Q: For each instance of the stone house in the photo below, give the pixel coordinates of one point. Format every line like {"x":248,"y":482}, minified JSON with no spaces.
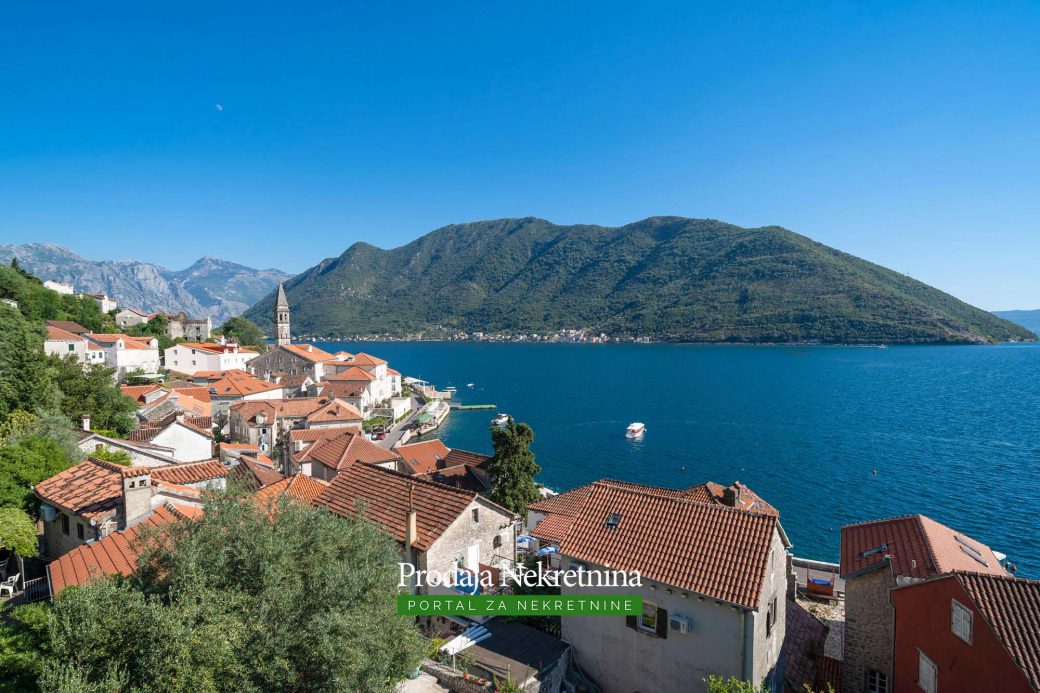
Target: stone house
{"x":438,"y":527}
{"x":95,"y":498}
{"x":128,"y":317}
{"x":188,"y":441}
{"x":714,"y":582}
{"x":291,"y":359}
{"x":180,"y":326}
{"x":880,"y":556}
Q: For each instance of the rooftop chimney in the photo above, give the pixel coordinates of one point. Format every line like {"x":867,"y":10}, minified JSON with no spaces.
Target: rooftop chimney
{"x":410,"y":530}
{"x":85,"y":421}
{"x":137,"y":498}
{"x":731,"y":496}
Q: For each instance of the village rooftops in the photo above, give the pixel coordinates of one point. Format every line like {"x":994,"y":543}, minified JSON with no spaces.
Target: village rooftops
{"x":68,"y":326}
{"x":92,"y":489}
{"x":342,"y":450}
{"x":704,"y":547}
{"x":308,"y":352}
{"x":295,"y":407}
{"x":190,"y":472}
{"x":56,"y":334}
{"x":213,"y":376}
{"x":117,"y":553}
{"x":128,"y":341}
{"x":251,"y":474}
{"x":915,"y":546}
{"x":384,"y":497}
{"x":363,"y":359}
{"x":241,"y":387}
{"x":216,"y":348}
{"x":298,"y":487}
{"x":424,"y":457}
{"x":336,"y":410}
{"x":352,"y":374}
{"x":740,"y":497}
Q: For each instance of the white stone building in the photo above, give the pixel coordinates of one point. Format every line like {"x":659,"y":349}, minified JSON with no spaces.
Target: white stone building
{"x":63,"y":344}
{"x":128,"y":354}
{"x":128,"y":317}
{"x":191,"y":357}
{"x":60,"y":287}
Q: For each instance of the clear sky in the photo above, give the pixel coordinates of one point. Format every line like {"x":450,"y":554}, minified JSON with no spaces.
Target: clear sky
{"x":906,"y":133}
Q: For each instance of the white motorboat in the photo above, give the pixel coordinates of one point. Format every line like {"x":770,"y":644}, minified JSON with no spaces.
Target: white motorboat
{"x":502,"y":420}
{"x":635,"y":430}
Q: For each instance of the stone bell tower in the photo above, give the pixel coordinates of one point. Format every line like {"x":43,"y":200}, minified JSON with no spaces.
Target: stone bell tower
{"x":282,"y":335}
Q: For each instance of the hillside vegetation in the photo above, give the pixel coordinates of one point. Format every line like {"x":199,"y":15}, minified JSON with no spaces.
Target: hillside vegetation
{"x":666,"y":278}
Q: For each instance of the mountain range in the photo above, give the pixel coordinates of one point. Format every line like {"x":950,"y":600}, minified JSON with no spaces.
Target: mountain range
{"x":667,"y":278}
{"x":213,"y":287}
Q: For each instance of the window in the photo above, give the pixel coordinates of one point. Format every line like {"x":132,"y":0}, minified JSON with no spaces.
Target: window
{"x":79,"y":530}
{"x":648,"y":620}
{"x":613,"y":520}
{"x":476,"y":515}
{"x":497,"y":543}
{"x":72,"y":347}
{"x":770,"y":617}
{"x":926,"y":673}
{"x":961,"y":621}
{"x":65,"y":524}
{"x":877,"y":682}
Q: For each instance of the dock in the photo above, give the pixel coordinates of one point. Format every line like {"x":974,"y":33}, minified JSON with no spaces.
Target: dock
{"x":456,"y":405}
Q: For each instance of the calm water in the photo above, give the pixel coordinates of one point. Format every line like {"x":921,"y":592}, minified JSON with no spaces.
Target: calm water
{"x":952,"y":431}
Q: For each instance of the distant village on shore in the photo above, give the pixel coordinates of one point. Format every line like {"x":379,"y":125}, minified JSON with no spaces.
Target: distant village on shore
{"x":911,"y":604}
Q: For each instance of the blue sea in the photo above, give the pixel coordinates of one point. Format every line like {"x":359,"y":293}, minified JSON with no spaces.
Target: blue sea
{"x":828,"y":435}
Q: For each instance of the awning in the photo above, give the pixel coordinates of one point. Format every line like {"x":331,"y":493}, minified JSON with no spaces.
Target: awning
{"x":424,"y":418}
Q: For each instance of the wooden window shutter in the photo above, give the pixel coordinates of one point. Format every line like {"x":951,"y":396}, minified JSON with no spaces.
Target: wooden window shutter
{"x":662,"y":623}
{"x":630,"y":622}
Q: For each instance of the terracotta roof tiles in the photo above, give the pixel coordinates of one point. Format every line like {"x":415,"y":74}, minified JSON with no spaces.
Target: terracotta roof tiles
{"x":426,"y":456}
{"x":297,"y":487}
{"x":190,"y":473}
{"x":1011,"y":607}
{"x":92,"y":489}
{"x":342,"y":450}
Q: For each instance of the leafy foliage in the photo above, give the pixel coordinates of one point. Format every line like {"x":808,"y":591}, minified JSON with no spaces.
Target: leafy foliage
{"x":245,"y":332}
{"x":91,"y":391}
{"x":26,"y":463}
{"x":25,"y":378}
{"x":17,"y":532}
{"x":665,"y":277}
{"x":115,"y":456}
{"x":248,"y":598}
{"x":37,"y":303}
{"x":718,"y":684}
{"x":512,"y":468}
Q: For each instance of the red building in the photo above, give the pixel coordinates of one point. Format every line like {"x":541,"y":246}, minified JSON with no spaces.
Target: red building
{"x":967,"y":632}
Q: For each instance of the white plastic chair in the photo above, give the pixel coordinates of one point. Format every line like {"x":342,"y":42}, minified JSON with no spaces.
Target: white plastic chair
{"x":9,"y":584}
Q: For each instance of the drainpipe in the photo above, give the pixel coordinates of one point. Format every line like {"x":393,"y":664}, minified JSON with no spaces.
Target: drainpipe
{"x":747,"y":663}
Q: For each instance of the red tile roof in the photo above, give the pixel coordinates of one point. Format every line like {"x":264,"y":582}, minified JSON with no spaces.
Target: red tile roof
{"x":552,"y":528}
{"x":715,"y":493}
{"x":830,"y":672}
{"x":709,"y":549}
{"x":68,"y":326}
{"x":915,"y":545}
{"x":232,"y":373}
{"x":363,"y":359}
{"x":342,"y":450}
{"x":335,"y":410}
{"x":569,"y":502}
{"x":128,"y":341}
{"x":117,"y":553}
{"x":383,"y":497}
{"x":457,"y":476}
{"x":1011,"y":607}
{"x":470,"y":459}
{"x":252,"y":474}
{"x":424,"y":457}
{"x":215,"y":348}
{"x":57,"y":334}
{"x":297,"y":487}
{"x":92,"y":489}
{"x":240,"y":387}
{"x":352,"y":374}
{"x":190,"y":473}
{"x":296,"y":407}
{"x":307,"y":351}
{"x":138,"y":392}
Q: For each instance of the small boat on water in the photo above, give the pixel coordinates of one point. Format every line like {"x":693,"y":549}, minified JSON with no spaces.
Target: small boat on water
{"x":502,"y":420}
{"x":469,"y":384}
{"x":635,"y":430}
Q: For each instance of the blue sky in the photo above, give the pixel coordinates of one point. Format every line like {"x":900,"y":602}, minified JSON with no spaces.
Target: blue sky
{"x":906,"y":133}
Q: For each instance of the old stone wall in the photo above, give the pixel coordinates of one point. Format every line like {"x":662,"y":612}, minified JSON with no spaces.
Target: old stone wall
{"x":869,"y":620}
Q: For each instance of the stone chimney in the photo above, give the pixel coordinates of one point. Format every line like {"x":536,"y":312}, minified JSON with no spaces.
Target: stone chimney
{"x":137,"y":498}
{"x":410,"y":530}
{"x":85,"y":422}
{"x":731,"y":496}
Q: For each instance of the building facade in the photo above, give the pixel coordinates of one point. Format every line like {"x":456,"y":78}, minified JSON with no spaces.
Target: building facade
{"x":192,"y":357}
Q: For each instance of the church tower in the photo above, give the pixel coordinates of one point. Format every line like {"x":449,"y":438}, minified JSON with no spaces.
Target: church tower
{"x":281,"y":319}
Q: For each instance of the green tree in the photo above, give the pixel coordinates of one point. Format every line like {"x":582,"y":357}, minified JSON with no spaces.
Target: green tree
{"x":17,"y":424}
{"x":248,"y":598}
{"x":718,"y":684}
{"x":245,"y":332}
{"x":102,"y":452}
{"x":17,"y":532}
{"x":25,"y":379}
{"x":512,"y":468}
{"x":91,"y":390}
{"x":23,"y":635}
{"x":26,"y":463}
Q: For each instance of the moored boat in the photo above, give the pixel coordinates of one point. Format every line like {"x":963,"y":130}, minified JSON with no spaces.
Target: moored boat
{"x":502,"y":420}
{"x":635,"y":430}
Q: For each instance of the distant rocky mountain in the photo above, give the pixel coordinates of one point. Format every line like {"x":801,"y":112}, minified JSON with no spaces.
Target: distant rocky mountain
{"x":214,"y":287}
{"x":1029,"y":319}
{"x":666,"y":278}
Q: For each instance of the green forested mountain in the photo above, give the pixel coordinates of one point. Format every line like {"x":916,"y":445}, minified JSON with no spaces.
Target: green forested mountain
{"x":665,"y":277}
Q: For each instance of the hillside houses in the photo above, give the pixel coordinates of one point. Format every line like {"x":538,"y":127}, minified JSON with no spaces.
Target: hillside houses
{"x":128,"y":354}
{"x":64,"y":344}
{"x":192,"y":357}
